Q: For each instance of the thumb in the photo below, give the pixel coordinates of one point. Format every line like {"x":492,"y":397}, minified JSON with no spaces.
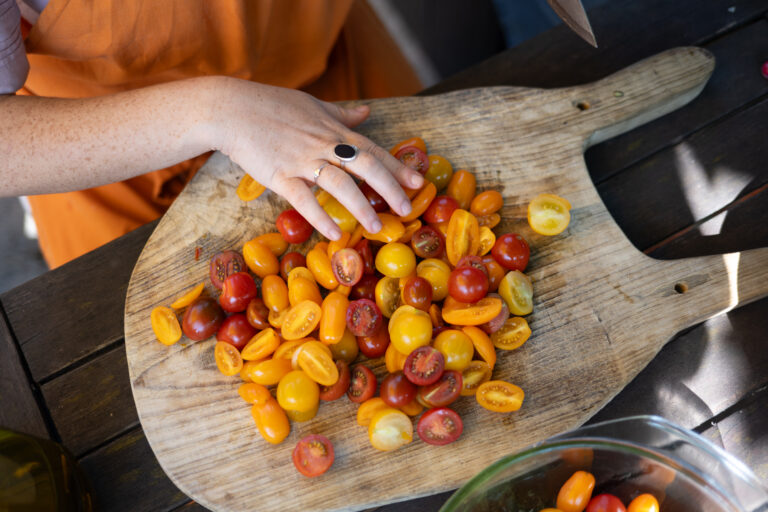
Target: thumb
{"x":349,"y":117}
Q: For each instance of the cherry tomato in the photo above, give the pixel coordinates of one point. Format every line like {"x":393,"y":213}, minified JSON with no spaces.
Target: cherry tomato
{"x":290,"y":261}
{"x":462,"y":188}
{"x":417,"y":292}
{"x":186,"y":299}
{"x":456,"y":347}
{"x":495,"y":272}
{"x":500,"y":396}
{"x":275,"y":293}
{"x":297,"y":392}
{"x":575,"y":493}
{"x":165,"y":325}
{"x":228,"y":358}
{"x":236,"y":331}
{"x":489,"y":221}
{"x":363,"y":385}
{"x":340,"y":215}
{"x":249,"y":189}
{"x":374,"y":346}
{"x":440,"y":426}
{"x":487,"y":240}
{"x":237,"y":291}
{"x":437,"y":273}
{"x":316,"y":361}
{"x":512,"y":334}
{"x":301,"y":320}
{"x":260,"y":259}
{"x":364,"y":317}
{"x":253,"y":393}
{"x":363,"y":248}
{"x":294,"y":228}
{"x":462,"y":313}
{"x":347,"y":266}
{"x":427,"y":242}
{"x":261,"y":345}
{"x":396,"y":390}
{"x":644,"y":503}
{"x":440,"y":209}
{"x":271,"y":421}
{"x":257,"y":314}
{"x":606,"y":503}
{"x":368,"y":409}
{"x":482,"y":343}
{"x":390,"y":429}
{"x":274,"y":242}
{"x":474,"y":262}
{"x":224,"y":264}
{"x":395,"y":260}
{"x":319,"y":264}
{"x":443,"y":392}
{"x":374,"y":198}
{"x":409,"y":328}
{"x":486,"y":203}
{"x":313,"y":455}
{"x":549,"y":214}
{"x":475,"y":374}
{"x":337,"y":390}
{"x":333,"y":321}
{"x":467,"y":284}
{"x":517,"y":290}
{"x":414,"y":158}
{"x":440,"y":171}
{"x":416,"y":142}
{"x":365,"y":288}
{"x":463,"y":236}
{"x":420,"y":203}
{"x":511,"y":251}
{"x":391,"y":231}
{"x":202,"y":319}
{"x":424,"y":366}
{"x":387,"y":295}
{"x":268,"y":372}
{"x":345,"y":349}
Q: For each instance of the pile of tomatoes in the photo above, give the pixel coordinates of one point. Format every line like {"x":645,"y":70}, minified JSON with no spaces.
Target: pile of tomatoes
{"x":434,"y":292}
{"x":576,"y":496}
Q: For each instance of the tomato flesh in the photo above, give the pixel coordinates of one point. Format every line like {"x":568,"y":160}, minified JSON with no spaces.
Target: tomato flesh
{"x":313,"y":455}
{"x":223,"y":265}
{"x":414,"y":158}
{"x":364,"y":317}
{"x":347,"y":266}
{"x":424,"y":366}
{"x":427,"y":242}
{"x":337,"y":390}
{"x":440,"y":426}
{"x":363,"y":384}
{"x":444,"y":391}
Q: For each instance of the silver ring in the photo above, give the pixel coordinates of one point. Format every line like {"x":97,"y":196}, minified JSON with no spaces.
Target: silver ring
{"x":317,"y":171}
{"x":345,"y":152}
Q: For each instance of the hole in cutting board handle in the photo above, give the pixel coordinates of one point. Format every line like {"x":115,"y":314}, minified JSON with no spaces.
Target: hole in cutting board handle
{"x":681,"y":287}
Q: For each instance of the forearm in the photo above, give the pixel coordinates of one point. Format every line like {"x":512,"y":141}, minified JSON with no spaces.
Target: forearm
{"x":55,"y":145}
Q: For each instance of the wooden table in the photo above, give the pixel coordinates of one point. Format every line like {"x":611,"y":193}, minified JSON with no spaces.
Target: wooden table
{"x":691,"y":183}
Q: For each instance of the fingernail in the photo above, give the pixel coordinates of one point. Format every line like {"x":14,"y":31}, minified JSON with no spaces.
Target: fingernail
{"x":376,"y":225}
{"x":406,"y":207}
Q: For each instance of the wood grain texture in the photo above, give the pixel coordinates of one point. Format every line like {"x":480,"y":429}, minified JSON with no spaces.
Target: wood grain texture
{"x":593,"y":293}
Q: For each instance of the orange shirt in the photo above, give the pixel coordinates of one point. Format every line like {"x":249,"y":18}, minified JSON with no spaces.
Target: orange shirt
{"x":333,"y":49}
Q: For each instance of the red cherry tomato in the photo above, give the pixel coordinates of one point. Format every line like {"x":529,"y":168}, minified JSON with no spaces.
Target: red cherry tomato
{"x":236,"y":331}
{"x":605,"y":503}
{"x":364,"y":317}
{"x":238,"y":290}
{"x":511,"y":251}
{"x":424,"y":366}
{"x":443,"y":392}
{"x":414,"y":158}
{"x":440,"y":209}
{"x":427,"y":242}
{"x":499,"y":320}
{"x":440,"y":426}
{"x":365,"y":288}
{"x":374,"y":198}
{"x":330,"y":393}
{"x":313,"y":455}
{"x":417,"y":292}
{"x":374,"y":346}
{"x":396,"y":390}
{"x":347,"y":266}
{"x":363,"y":384}
{"x":225,"y":264}
{"x":202,"y":319}
{"x":290,"y":261}
{"x":467,"y":284}
{"x":294,"y":228}
{"x":363,"y":248}
{"x":257,"y":314}
{"x":473,"y":261}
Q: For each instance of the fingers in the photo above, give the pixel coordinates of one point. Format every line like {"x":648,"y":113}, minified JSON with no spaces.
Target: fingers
{"x":300,"y":196}
{"x":341,"y":185}
{"x":349,"y":117}
{"x":406,"y":176}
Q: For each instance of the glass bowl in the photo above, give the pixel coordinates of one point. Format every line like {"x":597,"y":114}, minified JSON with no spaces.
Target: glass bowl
{"x":628,"y":457}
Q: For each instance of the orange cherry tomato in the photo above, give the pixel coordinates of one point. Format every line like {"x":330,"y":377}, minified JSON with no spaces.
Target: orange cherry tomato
{"x":392,"y":229}
{"x":517,"y":291}
{"x":357,"y":235}
{"x":456,"y":347}
{"x":335,"y":245}
{"x":387,"y":295}
{"x":322,"y":196}
{"x":367,"y":410}
{"x":495,"y":272}
{"x":461,"y":313}
{"x":165,"y":325}
{"x":437,"y":273}
{"x":253,"y":393}
{"x":463,"y":237}
{"x":268,"y":372}
{"x":286,"y":349}
{"x":440,"y":171}
{"x":340,"y":215}
{"x":475,"y":374}
{"x":410,"y":229}
{"x":416,"y":142}
{"x":420,"y":202}
{"x":490,"y":221}
{"x":512,"y":334}
{"x":271,"y":421}
{"x":346,"y":349}
{"x":549,"y":214}
{"x":318,"y":347}
{"x":412,"y":408}
{"x":462,"y":188}
{"x":301,"y":289}
{"x":260,"y":259}
{"x":482,"y":344}
{"x":318,"y":364}
{"x":435,"y":314}
{"x":575,"y":493}
{"x":320,"y":266}
{"x":274,"y":292}
{"x":297,"y":272}
{"x":228,"y":358}
{"x":409,"y":328}
{"x":249,"y":189}
{"x":390,"y":429}
{"x":189,"y":297}
{"x":296,"y":391}
{"x":274,"y":241}
{"x":262,"y":345}
{"x":644,"y":503}
{"x":276,"y":319}
{"x":394,"y":360}
{"x":486,"y":203}
{"x":333,"y":321}
{"x":301,"y":320}
{"x":395,"y":260}
{"x":487,"y":240}
{"x":246,"y":369}
{"x":500,"y":396}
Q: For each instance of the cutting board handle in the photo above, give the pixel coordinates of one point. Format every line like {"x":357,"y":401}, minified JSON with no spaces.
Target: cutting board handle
{"x":640,"y":93}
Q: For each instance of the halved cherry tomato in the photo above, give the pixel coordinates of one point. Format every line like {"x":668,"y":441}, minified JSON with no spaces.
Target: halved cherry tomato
{"x":374,"y":346}
{"x":463,"y":237}
{"x":489,"y":221}
{"x":549,"y":214}
{"x":297,"y":272}
{"x":462,"y":188}
{"x":261,"y":345}
{"x":417,"y":292}
{"x":363,"y":385}
{"x":390,"y":429}
{"x":322,"y":270}
{"x":249,"y":189}
{"x":517,"y":290}
{"x":511,"y":251}
{"x":440,"y":426}
{"x":456,"y":347}
{"x":495,"y":272}
{"x":228,"y":358}
{"x":387,"y":295}
{"x":335,"y":246}
{"x":268,"y":372}
{"x":440,"y":209}
{"x":301,"y":320}
{"x":486,"y":203}
{"x":260,"y":259}
{"x":294,"y":228}
{"x":365,"y":288}
{"x":253,"y":393}
{"x":290,"y":261}
{"x":575,"y":493}
{"x":202,"y":319}
{"x":414,"y":158}
{"x":392,"y":229}
{"x":512,"y":334}
{"x":364,"y":317}
{"x":297,"y":392}
{"x":276,"y":319}
{"x":274,"y":242}
{"x":424,"y":366}
{"x":223,"y":264}
{"x":186,"y":299}
{"x":333,"y":320}
{"x":396,"y":390}
{"x":345,"y":349}
{"x":420,"y":203}
{"x":500,"y":396}
{"x":443,"y":392}
{"x":395,"y":260}
{"x":275,"y":293}
{"x":237,"y":291}
{"x":165,"y":325}
{"x":440,"y":171}
{"x":313,"y":455}
{"x":416,"y":142}
{"x":437,"y":273}
{"x":374,"y":198}
{"x":644,"y":503}
{"x":236,"y":331}
{"x":368,"y":409}
{"x":394,"y":360}
{"x":287,"y":349}
{"x":410,"y":228}
{"x":338,"y":389}
{"x":257,"y":314}
{"x":487,"y":240}
{"x":347,"y":266}
{"x":271,"y":421}
{"x":606,"y":503}
{"x":462,"y":313}
{"x":427,"y":242}
{"x":482,"y":344}
{"x":467,"y":284}
{"x":409,"y":328}
{"x":475,"y":374}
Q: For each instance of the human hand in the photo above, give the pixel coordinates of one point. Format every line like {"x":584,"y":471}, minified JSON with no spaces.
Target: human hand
{"x":281,"y":136}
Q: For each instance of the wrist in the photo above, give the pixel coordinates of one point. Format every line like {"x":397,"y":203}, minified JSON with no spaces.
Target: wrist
{"x":211,"y":120}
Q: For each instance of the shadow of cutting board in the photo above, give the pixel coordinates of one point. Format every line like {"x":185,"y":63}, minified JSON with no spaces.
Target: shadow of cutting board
{"x":602,"y":310}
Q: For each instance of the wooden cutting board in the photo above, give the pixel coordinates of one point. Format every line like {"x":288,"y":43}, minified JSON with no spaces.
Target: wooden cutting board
{"x":602,"y":309}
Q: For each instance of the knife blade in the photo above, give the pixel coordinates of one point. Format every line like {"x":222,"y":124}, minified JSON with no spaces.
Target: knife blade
{"x":574,"y":15}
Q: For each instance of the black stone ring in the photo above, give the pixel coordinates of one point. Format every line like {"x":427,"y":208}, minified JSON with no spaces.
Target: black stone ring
{"x":345,"y":152}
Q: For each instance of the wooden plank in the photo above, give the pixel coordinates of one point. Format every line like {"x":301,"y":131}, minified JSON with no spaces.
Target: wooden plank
{"x":92,"y":403}
{"x":691,"y":180}
{"x":65,"y":315}
{"x":19,"y":409}
{"x":192,"y":506}
{"x":126,"y":476}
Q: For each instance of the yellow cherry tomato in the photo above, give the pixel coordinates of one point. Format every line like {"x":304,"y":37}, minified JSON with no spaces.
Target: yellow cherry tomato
{"x":456,"y":348}
{"x":480,"y":312}
{"x":395,"y":260}
{"x":301,"y":320}
{"x":437,"y":273}
{"x":392,"y":229}
{"x":500,"y":396}
{"x":316,"y":361}
{"x":228,"y":358}
{"x":274,"y":292}
{"x":300,"y":416}
{"x":165,"y":325}
{"x":253,"y":393}
{"x":249,"y":189}
{"x":475,"y":374}
{"x":367,"y":410}
{"x":390,"y":429}
{"x":320,"y":266}
{"x":409,"y":329}
{"x":482,"y":343}
{"x":549,"y":214}
{"x":462,"y":188}
{"x":440,"y":171}
{"x":301,"y":289}
{"x":487,"y":241}
{"x":394,"y":360}
{"x":517,"y":291}
{"x":296,"y":391}
{"x":262,"y":345}
{"x":644,"y":503}
{"x":346,"y":349}
{"x":187,"y":299}
{"x":340,"y":215}
{"x":463,"y":236}
{"x":387,"y":295}
{"x":512,"y":334}
{"x":286,"y":349}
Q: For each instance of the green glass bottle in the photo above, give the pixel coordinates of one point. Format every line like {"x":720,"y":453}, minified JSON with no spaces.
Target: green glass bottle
{"x":39,"y":475}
